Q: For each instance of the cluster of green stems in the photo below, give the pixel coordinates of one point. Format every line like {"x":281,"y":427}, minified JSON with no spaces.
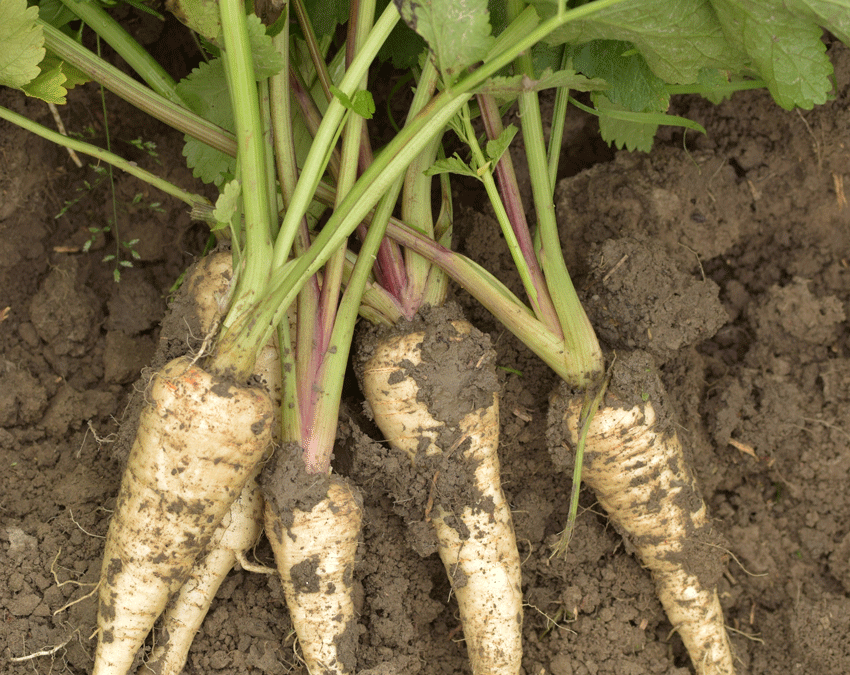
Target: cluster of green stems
{"x":401,"y":264}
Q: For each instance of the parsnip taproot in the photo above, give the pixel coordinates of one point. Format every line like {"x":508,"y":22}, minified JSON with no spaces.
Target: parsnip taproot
{"x":207,"y":288}
{"x":199,"y":440}
{"x":433,"y":395}
{"x":238,"y":532}
{"x":314,"y":536}
{"x":636,"y":466}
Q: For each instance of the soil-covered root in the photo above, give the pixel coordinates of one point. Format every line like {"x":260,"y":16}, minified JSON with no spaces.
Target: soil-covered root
{"x":432,"y":393}
{"x":206,"y":289}
{"x":314,"y":531}
{"x":238,"y":532}
{"x":198,"y":443}
{"x":635,"y":464}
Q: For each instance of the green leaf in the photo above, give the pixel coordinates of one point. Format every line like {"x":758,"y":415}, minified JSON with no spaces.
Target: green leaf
{"x":714,"y":81}
{"x":267,"y":61}
{"x":49,"y":86}
{"x":227,"y":202}
{"x":546,"y":57}
{"x":621,"y":132}
{"x":784,"y":47}
{"x":55,"y":13}
{"x":496,"y":147}
{"x":453,"y":164}
{"x":362,"y":104}
{"x":403,"y":47}
{"x":634,"y":130}
{"x":205,"y":92}
{"x":326,"y":15}
{"x":676,"y":37}
{"x":55,"y":79}
{"x":633,"y":85}
{"x":457,"y":31}
{"x":21,"y":43}
{"x":834,"y":15}
{"x":202,"y":16}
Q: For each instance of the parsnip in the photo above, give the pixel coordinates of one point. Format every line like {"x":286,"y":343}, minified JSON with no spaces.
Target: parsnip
{"x":199,"y":440}
{"x":471,"y":518}
{"x":238,"y":532}
{"x":314,"y":538}
{"x":208,"y":287}
{"x":635,"y":464}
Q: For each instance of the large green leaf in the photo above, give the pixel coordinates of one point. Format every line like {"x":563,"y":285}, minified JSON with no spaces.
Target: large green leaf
{"x":834,"y":15}
{"x":632,"y":83}
{"x":205,"y":92}
{"x":21,"y":43}
{"x":784,"y":46}
{"x":457,"y":31}
{"x":676,"y":37}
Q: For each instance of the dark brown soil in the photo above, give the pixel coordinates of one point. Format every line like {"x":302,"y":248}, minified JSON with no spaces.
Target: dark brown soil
{"x":727,"y":260}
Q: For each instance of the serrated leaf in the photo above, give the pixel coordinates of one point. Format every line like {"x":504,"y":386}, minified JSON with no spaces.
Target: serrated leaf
{"x":623,"y":133}
{"x":676,"y":37}
{"x":496,"y":147}
{"x":202,"y":16}
{"x":546,"y":57}
{"x":362,"y":104}
{"x":634,"y":130}
{"x":326,"y":15}
{"x":205,"y":92}
{"x":21,"y":43}
{"x":834,"y":15}
{"x":73,"y":75}
{"x":632,"y":84}
{"x":453,"y":164}
{"x":508,"y":88}
{"x":784,"y":47}
{"x":267,"y":61}
{"x":56,"y":78}
{"x":227,"y":202}
{"x":457,"y":31}
{"x":49,"y":86}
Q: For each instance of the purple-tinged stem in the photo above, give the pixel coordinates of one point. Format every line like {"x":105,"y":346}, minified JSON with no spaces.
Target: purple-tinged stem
{"x":541,"y":301}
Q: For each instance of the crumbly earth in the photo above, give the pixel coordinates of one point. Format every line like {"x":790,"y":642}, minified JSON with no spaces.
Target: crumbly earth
{"x":753,"y":215}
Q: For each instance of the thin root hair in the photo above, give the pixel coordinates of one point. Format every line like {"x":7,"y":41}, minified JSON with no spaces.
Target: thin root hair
{"x":735,"y":558}
{"x":82,"y":529}
{"x":74,"y":602}
{"x":553,"y":621}
{"x":753,"y":637}
{"x":59,"y":584}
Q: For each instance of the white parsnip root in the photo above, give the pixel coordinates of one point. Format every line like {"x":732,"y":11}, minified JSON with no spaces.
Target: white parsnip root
{"x":315,"y":548}
{"x":199,"y":441}
{"x":466,"y":505}
{"x":208,"y":286}
{"x":635,"y":464}
{"x":238,"y":532}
